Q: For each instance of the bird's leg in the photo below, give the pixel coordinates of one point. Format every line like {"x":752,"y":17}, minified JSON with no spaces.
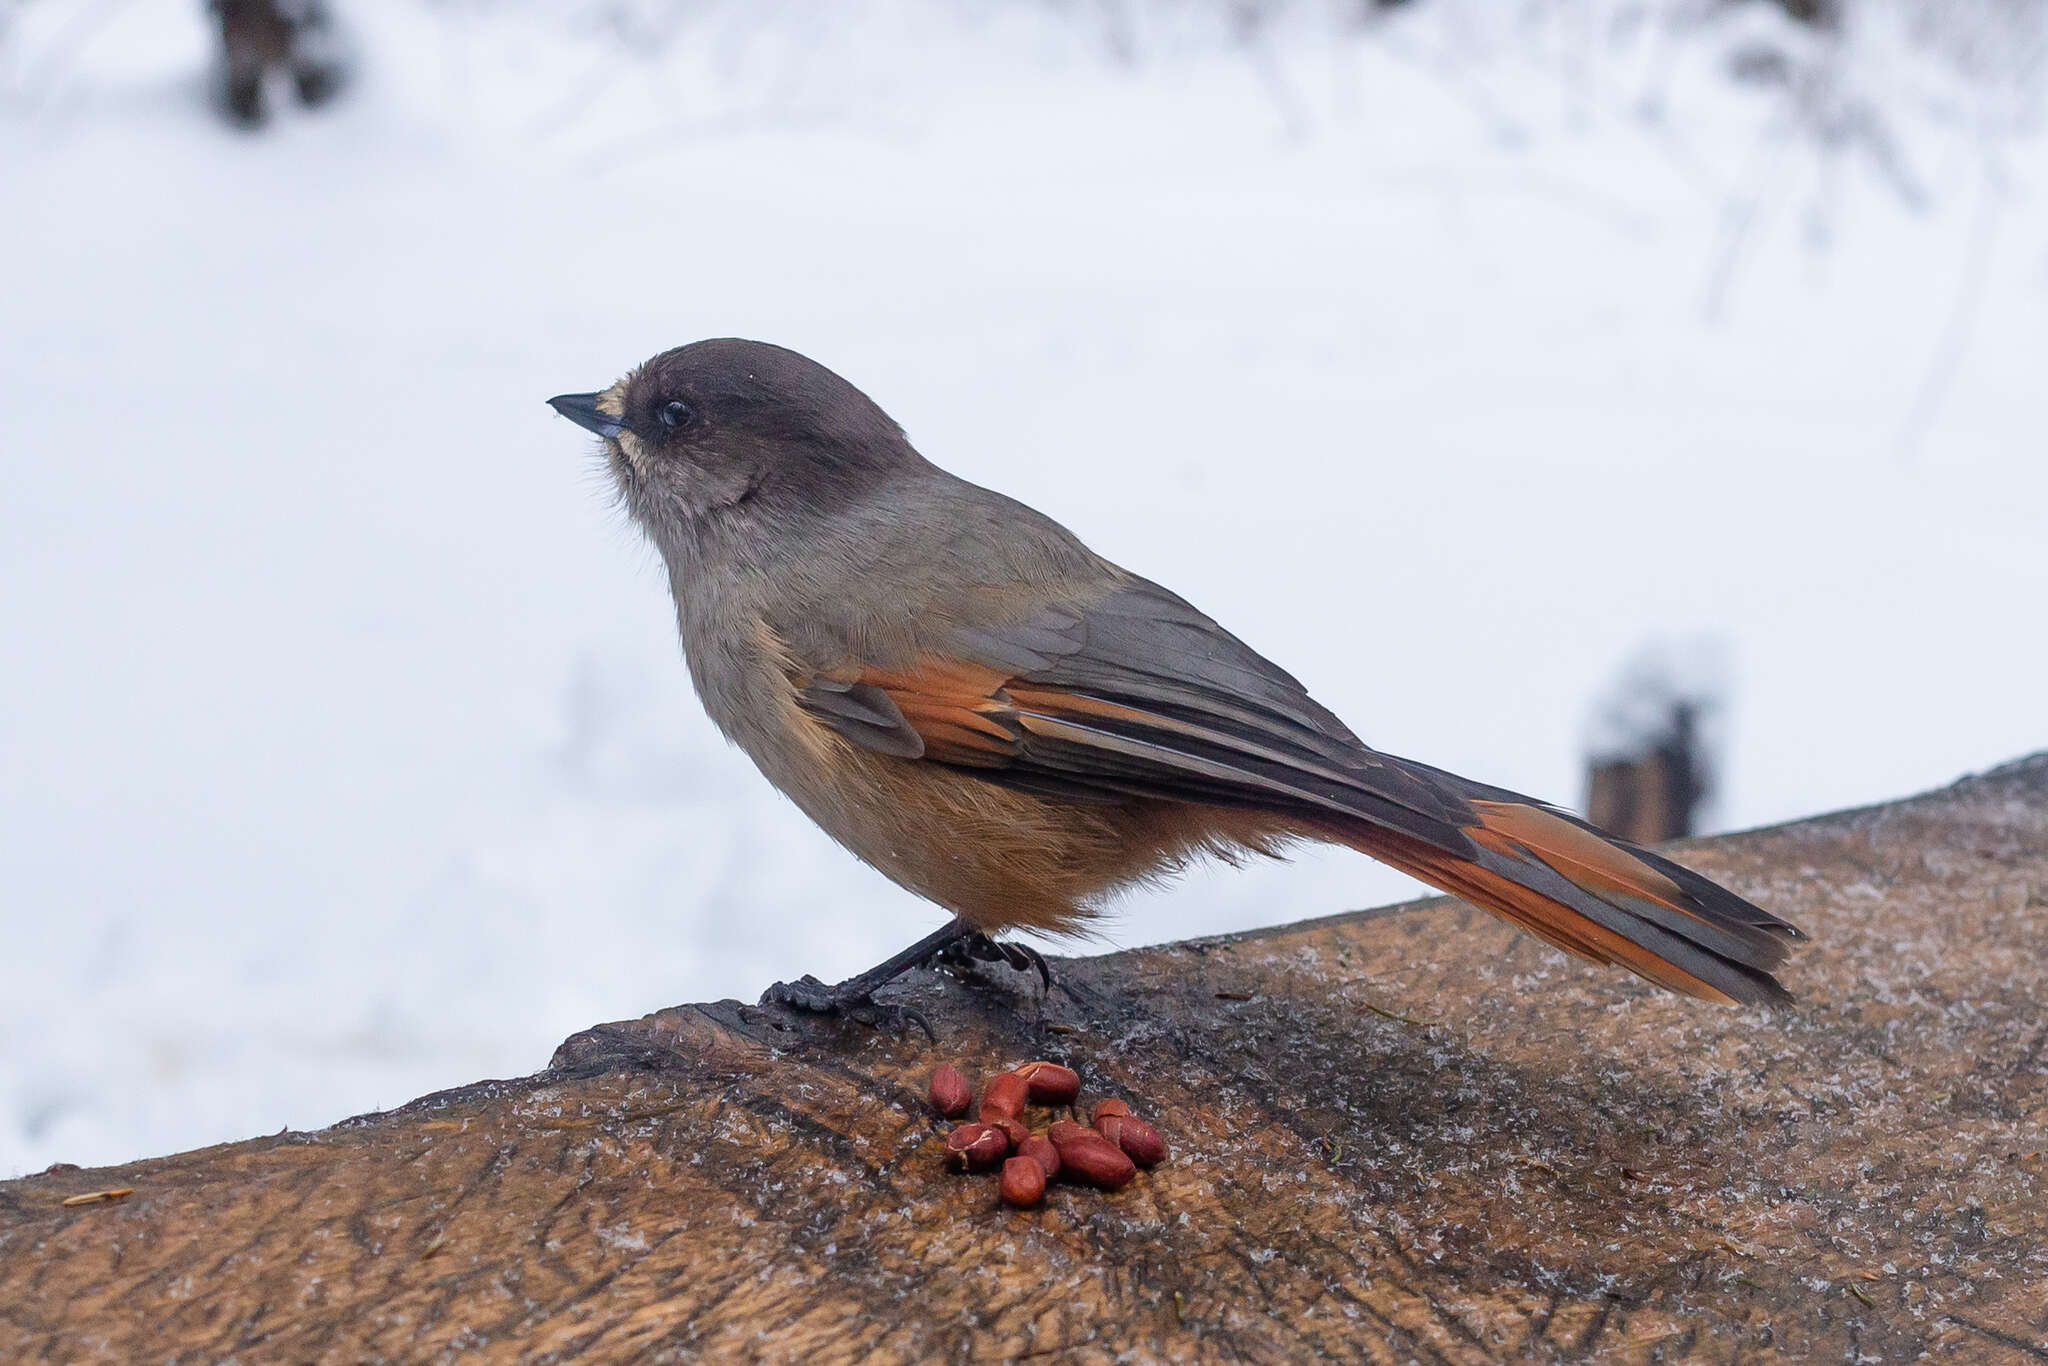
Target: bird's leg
{"x":855,"y":997}
{"x":979,"y":948}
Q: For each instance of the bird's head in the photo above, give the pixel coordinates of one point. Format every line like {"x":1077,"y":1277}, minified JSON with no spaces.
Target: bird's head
{"x":726,"y":430}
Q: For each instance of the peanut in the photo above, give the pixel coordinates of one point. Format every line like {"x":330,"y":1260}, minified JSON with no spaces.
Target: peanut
{"x":1004,"y":1098}
{"x":1023,"y":1182}
{"x":1049,"y":1083}
{"x":1139,"y":1141}
{"x":1095,"y":1161}
{"x":976,"y":1147}
{"x":1064,"y":1129}
{"x":1111,"y":1106}
{"x":950,"y":1093}
{"x":1041,"y":1151}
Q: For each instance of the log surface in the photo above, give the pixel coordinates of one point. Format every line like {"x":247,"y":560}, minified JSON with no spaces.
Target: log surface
{"x":1404,"y":1135}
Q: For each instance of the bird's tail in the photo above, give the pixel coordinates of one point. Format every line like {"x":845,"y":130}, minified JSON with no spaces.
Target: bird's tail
{"x":1591,"y":895}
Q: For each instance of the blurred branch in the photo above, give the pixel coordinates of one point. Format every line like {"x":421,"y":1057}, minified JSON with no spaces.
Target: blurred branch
{"x":1954,"y":338}
{"x":1739,"y":213}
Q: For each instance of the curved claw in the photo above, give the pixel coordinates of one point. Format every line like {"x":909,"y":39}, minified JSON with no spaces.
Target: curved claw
{"x":980,"y":948}
{"x":813,"y":997}
{"x":1024,"y":958}
{"x":878,"y":1015}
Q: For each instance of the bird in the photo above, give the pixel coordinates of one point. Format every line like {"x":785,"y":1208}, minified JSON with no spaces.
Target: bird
{"x":970,"y":700}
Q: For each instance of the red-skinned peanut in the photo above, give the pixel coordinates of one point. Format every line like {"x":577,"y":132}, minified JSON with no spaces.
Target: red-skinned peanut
{"x":949,"y":1091}
{"x":976,"y":1147}
{"x":1041,"y":1151}
{"x":1023,"y":1182}
{"x":1004,"y":1098}
{"x":1139,"y":1141}
{"x":1049,"y":1083}
{"x":1095,"y":1161}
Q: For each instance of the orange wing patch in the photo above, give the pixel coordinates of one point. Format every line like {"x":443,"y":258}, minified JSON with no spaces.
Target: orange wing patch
{"x":959,"y":709}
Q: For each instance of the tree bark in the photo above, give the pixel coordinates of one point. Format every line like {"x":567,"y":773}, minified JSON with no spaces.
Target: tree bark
{"x":1401,"y":1135}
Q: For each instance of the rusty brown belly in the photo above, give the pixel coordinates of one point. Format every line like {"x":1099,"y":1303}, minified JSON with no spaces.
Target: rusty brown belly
{"x":997,"y":857}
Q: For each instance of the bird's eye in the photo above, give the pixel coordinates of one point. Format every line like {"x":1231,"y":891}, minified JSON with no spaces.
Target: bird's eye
{"x":676,"y":414}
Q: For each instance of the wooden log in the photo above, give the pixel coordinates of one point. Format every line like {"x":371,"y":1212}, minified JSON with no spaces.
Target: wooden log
{"x":1397,"y":1135}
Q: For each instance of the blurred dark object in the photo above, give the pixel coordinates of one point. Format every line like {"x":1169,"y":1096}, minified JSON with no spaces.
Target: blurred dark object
{"x":1817,"y":13}
{"x":1650,"y":765}
{"x":1655,"y":796}
{"x":258,"y":37}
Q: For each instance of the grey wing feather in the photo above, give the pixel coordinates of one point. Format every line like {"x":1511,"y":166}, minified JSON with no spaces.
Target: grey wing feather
{"x":864,"y":714}
{"x":1216,"y":721}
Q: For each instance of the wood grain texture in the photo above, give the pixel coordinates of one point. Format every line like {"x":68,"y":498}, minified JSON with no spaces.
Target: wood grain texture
{"x":1558,"y":1164}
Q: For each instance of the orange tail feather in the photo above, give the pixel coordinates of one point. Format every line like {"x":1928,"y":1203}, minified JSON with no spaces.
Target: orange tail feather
{"x":1598,"y":900}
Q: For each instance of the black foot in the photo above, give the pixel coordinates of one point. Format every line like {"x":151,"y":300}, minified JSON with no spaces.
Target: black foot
{"x":851,"y":999}
{"x":979,"y":948}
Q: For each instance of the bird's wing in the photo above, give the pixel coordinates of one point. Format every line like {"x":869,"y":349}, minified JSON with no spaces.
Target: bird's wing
{"x":1142,"y":696}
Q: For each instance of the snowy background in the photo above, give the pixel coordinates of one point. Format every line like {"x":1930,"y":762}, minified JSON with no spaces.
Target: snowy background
{"x":1449,"y":358}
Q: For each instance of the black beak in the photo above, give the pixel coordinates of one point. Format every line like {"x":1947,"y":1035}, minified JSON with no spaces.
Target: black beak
{"x":581,"y":409}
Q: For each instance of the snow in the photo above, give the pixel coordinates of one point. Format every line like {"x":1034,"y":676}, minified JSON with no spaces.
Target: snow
{"x":345,"y":751}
